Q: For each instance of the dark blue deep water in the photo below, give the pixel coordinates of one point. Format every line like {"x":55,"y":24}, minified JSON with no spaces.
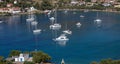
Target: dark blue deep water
{"x":86,"y":44}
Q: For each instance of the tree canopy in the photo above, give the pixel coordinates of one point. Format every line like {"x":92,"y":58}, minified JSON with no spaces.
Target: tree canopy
{"x":14,"y":53}
{"x":40,"y":56}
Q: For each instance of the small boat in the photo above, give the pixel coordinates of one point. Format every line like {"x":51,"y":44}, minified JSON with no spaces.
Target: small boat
{"x":86,"y":10}
{"x":97,"y":20}
{"x":61,"y":38}
{"x":37,"y":31}
{"x":1,"y":21}
{"x":62,"y":62}
{"x":82,"y":16}
{"x":74,"y":12}
{"x":52,"y":19}
{"x":55,"y":26}
{"x":78,"y":24}
{"x":65,"y":11}
{"x":34,"y":23}
{"x":30,"y":19}
{"x":67,"y":32}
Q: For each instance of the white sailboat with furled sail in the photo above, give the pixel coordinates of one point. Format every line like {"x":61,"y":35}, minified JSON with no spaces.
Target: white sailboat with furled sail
{"x":62,"y":62}
{"x":55,"y":25}
{"x":98,"y":21}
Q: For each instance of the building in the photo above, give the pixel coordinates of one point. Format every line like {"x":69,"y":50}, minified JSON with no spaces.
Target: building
{"x":22,"y":58}
{"x":93,"y":1}
{"x":9,"y":5}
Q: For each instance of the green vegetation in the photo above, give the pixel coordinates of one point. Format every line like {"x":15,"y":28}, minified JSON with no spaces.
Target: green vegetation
{"x":14,"y":53}
{"x":50,"y":4}
{"x":40,"y":56}
{"x":27,"y":62}
{"x":2,"y":61}
{"x":46,"y":5}
{"x":107,"y":61}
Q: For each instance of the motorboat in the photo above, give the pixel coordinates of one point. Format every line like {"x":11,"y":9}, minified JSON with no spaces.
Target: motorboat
{"x":67,"y":32}
{"x":55,"y":26}
{"x":78,"y":24}
{"x":37,"y":31}
{"x":61,"y":38}
{"x":62,"y":62}
{"x":34,"y":23}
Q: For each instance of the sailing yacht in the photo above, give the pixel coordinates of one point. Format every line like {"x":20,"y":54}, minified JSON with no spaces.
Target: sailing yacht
{"x":34,"y":23}
{"x":37,"y":31}
{"x":61,"y":38}
{"x":67,"y":31}
{"x":30,"y":18}
{"x":62,"y":62}
{"x":55,"y":25}
{"x":98,"y":21}
{"x":52,"y":19}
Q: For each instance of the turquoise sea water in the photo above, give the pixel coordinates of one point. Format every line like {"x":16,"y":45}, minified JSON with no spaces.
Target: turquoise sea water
{"x":86,"y":44}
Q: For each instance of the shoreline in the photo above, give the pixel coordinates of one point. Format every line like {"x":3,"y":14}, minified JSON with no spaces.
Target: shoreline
{"x":41,"y":12}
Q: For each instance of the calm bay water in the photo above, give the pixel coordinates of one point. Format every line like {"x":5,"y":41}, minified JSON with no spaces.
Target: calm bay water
{"x":86,"y":44}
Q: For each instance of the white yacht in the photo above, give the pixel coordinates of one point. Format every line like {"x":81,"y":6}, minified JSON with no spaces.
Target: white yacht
{"x":67,"y":32}
{"x":55,"y":26}
{"x":78,"y":24}
{"x":37,"y":31}
{"x":34,"y":23}
{"x":98,"y":21}
{"x":62,"y":62}
{"x":61,"y":38}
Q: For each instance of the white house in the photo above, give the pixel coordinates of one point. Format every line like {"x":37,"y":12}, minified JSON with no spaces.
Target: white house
{"x":22,"y":58}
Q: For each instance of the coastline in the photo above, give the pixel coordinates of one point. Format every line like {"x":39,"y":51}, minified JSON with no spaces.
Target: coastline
{"x":90,"y":10}
{"x":41,"y":12}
